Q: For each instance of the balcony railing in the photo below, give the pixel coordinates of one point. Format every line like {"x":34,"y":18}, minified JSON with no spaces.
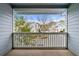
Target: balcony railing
{"x":38,"y":40}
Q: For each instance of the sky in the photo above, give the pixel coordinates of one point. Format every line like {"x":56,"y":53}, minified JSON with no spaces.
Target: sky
{"x":34,"y":17}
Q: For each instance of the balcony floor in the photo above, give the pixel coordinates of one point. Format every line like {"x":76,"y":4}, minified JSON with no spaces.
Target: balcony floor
{"x":38,"y":52}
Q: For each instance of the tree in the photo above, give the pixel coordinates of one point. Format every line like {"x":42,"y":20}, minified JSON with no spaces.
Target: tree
{"x":21,"y":25}
{"x":62,"y":23}
{"x":43,"y":19}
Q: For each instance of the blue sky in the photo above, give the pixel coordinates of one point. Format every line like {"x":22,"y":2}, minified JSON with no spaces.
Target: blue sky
{"x":33,"y":17}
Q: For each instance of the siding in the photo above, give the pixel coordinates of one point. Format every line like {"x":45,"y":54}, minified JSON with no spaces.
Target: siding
{"x":5,"y":28}
{"x":73,"y":28}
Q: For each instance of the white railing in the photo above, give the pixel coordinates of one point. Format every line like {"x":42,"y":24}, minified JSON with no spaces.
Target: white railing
{"x":38,"y":40}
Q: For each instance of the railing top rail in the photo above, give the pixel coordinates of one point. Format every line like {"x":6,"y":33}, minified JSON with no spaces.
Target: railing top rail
{"x":40,"y":33}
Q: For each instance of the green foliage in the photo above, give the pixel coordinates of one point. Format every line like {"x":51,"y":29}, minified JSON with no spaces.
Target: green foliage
{"x":62,"y":30}
{"x":21,"y":25}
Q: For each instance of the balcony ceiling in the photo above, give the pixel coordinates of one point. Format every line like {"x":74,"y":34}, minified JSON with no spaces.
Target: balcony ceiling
{"x":40,"y":5}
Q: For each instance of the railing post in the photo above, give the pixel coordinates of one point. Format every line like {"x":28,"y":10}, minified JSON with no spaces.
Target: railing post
{"x":12,"y":40}
{"x":67,"y":40}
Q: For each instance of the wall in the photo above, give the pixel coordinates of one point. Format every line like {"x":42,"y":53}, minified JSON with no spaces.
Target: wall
{"x":5,"y":28}
{"x":73,"y":28}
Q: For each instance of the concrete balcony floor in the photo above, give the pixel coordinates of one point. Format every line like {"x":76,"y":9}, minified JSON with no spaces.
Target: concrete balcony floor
{"x":39,"y":52}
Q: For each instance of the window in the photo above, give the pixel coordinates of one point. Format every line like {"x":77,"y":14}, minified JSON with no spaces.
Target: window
{"x":40,"y":20}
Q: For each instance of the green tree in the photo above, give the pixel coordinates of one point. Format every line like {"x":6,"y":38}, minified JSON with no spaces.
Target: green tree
{"x":62,"y":23}
{"x":21,"y":25}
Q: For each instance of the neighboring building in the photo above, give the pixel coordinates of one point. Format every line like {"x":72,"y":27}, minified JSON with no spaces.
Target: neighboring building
{"x":34,"y":27}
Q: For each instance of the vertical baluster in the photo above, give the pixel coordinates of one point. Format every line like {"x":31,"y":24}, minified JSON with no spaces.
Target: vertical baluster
{"x":51,"y":40}
{"x":14,"y":40}
{"x":59,"y":40}
{"x":55,"y":40}
{"x":66,"y":38}
{"x":29,"y":37}
{"x":22,"y":39}
{"x":62,"y":37}
{"x":36,"y":40}
{"x":29,"y":40}
{"x":26,"y":40}
{"x":32,"y":41}
{"x":62,"y":40}
{"x":17,"y":40}
{"x":48,"y":39}
{"x":43,"y":41}
{"x":39,"y":40}
{"x":20,"y":36}
{"x":53,"y":36}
